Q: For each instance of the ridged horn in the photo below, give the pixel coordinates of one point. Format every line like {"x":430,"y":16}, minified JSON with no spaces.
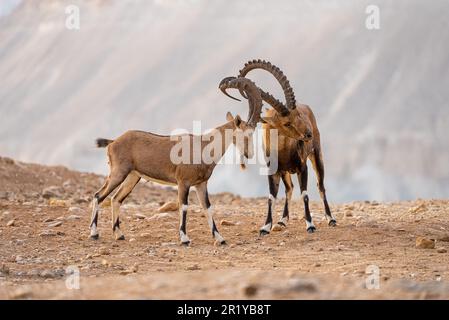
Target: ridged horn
{"x":278,"y":74}
{"x":251,"y":91}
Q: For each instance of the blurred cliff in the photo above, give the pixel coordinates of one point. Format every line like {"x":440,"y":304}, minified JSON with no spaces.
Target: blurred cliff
{"x":380,"y":97}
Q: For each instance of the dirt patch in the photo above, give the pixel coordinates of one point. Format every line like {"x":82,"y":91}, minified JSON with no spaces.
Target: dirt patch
{"x":49,"y":235}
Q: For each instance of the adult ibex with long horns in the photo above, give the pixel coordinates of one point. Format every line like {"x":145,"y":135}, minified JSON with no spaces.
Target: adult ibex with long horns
{"x":298,"y":140}
{"x":137,"y":154}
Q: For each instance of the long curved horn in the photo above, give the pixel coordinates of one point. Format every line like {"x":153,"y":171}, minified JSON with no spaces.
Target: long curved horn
{"x":252,"y":92}
{"x":275,"y":103}
{"x":222,"y":86}
{"x":278,"y":74}
{"x":266,"y":96}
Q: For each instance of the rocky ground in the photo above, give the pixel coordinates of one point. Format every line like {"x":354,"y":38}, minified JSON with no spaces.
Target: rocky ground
{"x":44,"y":245}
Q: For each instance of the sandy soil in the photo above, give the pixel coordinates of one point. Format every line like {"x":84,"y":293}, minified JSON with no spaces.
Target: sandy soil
{"x":44,"y":218}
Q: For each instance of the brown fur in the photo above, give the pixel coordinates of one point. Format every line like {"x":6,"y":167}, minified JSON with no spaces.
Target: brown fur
{"x":292,"y":152}
{"x":138,"y":154}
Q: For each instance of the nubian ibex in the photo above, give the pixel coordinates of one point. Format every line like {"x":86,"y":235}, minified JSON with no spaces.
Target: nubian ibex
{"x":137,"y":154}
{"x":298,"y":140}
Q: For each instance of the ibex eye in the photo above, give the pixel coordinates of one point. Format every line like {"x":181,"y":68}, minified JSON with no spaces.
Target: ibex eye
{"x":288,"y":124}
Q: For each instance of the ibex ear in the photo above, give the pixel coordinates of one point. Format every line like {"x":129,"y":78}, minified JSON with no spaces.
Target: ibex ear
{"x":267,"y":120}
{"x":229,"y":116}
{"x":237,"y":121}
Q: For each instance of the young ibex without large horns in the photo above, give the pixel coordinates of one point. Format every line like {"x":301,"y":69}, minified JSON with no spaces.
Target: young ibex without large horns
{"x":298,"y":140}
{"x":137,"y":154}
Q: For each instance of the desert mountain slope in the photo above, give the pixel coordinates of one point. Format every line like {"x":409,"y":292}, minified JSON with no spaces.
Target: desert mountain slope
{"x":380,"y":97}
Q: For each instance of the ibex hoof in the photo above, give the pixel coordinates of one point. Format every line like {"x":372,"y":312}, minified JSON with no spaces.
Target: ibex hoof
{"x":311,"y":229}
{"x":185,"y":243}
{"x":122,"y":237}
{"x":332,"y":223}
{"x":94,"y":236}
{"x":263,"y":232}
{"x":220,"y":243}
{"x":282,"y":224}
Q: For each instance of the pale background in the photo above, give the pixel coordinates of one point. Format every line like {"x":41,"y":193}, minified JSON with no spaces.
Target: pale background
{"x":380,"y":97}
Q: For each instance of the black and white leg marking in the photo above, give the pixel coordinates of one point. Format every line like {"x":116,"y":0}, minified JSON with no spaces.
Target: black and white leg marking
{"x":210,"y":219}
{"x":122,"y":193}
{"x":286,"y":178}
{"x":182,"y":228}
{"x":330,"y":219}
{"x":183,"y":197}
{"x":318,"y":165}
{"x":269,"y":221}
{"x":94,"y":219}
{"x":203,"y":198}
{"x":303,"y":176}
{"x":310,"y":227}
{"x":273,"y":183}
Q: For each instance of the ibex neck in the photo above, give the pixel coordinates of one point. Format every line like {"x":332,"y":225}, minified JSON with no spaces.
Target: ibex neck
{"x":219,"y":139}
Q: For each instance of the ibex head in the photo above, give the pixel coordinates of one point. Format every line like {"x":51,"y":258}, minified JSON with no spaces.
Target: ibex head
{"x":289,"y":120}
{"x":295,"y":124}
{"x":243,"y":130}
{"x":242,"y":136}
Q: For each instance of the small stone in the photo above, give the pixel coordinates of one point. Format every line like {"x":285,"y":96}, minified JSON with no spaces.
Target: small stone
{"x":58,"y":203}
{"x":50,"y":274}
{"x":125,"y":272}
{"x":444,"y":238}
{"x":135,"y":268}
{"x":4,"y":269}
{"x":104,"y":251}
{"x":140,"y":216}
{"x":52,"y":192}
{"x":424,"y":243}
{"x":168,"y":206}
{"x":418,"y":208}
{"x":193,"y":267}
{"x":276,"y":227}
{"x":49,"y":220}
{"x":441,"y":250}
{"x":10,"y":223}
{"x":250,"y":290}
{"x":47,"y":233}
{"x":4,"y":195}
{"x":73,"y":217}
{"x":227,"y":223}
{"x":75,"y":210}
{"x":55,"y":224}
{"x":161,"y":216}
{"x":132,"y":240}
{"x":348,"y":214}
{"x":301,"y":285}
